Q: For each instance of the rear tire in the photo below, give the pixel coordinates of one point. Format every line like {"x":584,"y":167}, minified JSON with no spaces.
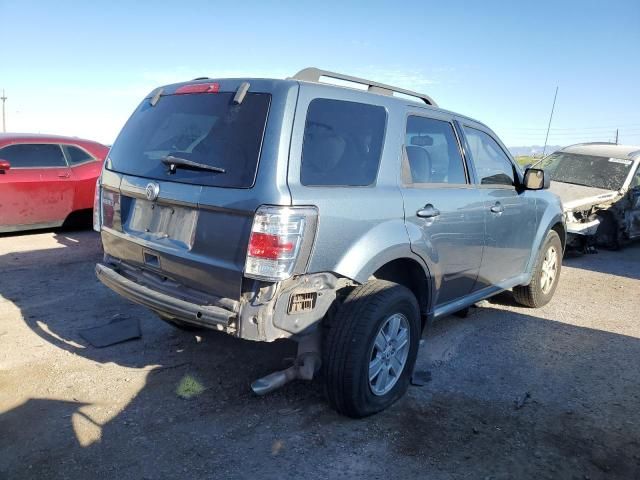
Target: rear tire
{"x":367,"y":335}
{"x":542,"y":287}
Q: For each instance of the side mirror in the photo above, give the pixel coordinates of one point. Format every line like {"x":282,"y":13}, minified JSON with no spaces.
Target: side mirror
{"x":536,"y":179}
{"x":4,"y":166}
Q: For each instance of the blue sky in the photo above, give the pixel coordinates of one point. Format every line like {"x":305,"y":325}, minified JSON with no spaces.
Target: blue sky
{"x":80,"y":68}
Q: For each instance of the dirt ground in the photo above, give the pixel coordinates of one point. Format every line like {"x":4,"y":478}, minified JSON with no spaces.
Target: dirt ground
{"x":515,"y":392}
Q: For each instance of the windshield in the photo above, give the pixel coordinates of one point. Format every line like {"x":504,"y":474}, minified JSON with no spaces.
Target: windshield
{"x":589,"y":170}
{"x":205,"y":128}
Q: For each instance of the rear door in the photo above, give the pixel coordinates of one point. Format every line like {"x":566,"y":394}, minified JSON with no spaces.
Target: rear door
{"x":446,"y":208}
{"x":511,"y":214}
{"x":38,"y":188}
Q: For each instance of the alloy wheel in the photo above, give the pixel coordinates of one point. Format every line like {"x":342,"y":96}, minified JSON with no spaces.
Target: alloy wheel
{"x":389,"y":354}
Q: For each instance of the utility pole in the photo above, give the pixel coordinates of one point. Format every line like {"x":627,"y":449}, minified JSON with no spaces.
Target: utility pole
{"x":616,"y":136}
{"x":549,"y":126}
{"x":4,"y":121}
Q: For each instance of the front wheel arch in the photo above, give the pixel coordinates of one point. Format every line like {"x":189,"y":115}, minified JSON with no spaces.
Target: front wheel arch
{"x":562,"y":233}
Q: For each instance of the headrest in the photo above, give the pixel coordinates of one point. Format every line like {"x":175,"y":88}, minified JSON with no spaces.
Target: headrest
{"x":422,"y":140}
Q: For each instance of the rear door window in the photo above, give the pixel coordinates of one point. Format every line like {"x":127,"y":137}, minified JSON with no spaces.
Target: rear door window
{"x":33,"y":155}
{"x":342,"y":143}
{"x":432,"y":153}
{"x":492,"y":164}
{"x":205,"y":128}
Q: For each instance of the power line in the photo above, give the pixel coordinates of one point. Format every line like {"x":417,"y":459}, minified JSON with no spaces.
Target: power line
{"x":4,"y":122}
{"x":611,"y":127}
{"x":577,"y":132}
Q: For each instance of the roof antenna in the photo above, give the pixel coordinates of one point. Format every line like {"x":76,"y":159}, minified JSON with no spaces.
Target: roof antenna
{"x":549,"y":126}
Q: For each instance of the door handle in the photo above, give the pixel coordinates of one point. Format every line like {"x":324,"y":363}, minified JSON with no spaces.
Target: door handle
{"x":64,"y":175}
{"x":497,"y":208}
{"x":429,"y":211}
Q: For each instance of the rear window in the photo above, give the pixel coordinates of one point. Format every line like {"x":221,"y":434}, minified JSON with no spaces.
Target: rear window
{"x":204,"y":128}
{"x":342,"y":143}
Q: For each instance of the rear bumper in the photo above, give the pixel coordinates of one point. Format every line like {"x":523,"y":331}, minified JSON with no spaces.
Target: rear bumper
{"x":202,"y":315}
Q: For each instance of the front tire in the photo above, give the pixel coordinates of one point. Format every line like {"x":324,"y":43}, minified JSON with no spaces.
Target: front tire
{"x":371,"y":348}
{"x":607,"y":235}
{"x":545,"y":275}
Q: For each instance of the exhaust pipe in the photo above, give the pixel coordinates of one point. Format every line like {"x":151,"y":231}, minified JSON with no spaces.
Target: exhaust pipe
{"x":307,"y":363}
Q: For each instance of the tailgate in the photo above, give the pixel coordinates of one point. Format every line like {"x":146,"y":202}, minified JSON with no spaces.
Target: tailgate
{"x":202,"y":247}
{"x":186,"y":168}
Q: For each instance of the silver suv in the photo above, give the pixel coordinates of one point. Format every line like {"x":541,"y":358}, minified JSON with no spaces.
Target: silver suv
{"x":343,"y":218}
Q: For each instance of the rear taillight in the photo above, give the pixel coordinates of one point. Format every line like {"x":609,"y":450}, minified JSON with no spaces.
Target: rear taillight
{"x":96,"y":207}
{"x":280,"y":242}
{"x":110,"y":209}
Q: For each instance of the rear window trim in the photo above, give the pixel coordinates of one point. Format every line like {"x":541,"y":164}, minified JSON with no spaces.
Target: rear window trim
{"x":107,"y":163}
{"x":374,"y":183}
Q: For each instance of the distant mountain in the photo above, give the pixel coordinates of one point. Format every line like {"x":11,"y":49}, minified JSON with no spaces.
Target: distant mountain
{"x":533,"y":150}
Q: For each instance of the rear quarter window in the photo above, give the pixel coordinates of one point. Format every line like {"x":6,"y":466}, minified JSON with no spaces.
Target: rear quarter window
{"x":342,"y":143}
{"x":76,"y":155}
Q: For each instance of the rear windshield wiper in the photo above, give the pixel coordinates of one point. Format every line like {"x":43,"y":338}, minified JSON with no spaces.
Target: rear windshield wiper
{"x":176,"y":162}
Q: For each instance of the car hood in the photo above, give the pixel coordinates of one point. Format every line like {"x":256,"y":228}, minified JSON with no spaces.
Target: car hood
{"x":574,"y":196}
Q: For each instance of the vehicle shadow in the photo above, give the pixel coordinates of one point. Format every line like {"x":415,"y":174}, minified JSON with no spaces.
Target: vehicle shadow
{"x":194,"y":414}
{"x":608,"y":261}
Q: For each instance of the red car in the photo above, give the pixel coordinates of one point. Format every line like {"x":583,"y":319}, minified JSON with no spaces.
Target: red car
{"x":44,"y":179}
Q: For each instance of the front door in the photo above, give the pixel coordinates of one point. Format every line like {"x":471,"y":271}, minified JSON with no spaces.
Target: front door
{"x":38,"y":188}
{"x":444,"y":212}
{"x":511,"y":214}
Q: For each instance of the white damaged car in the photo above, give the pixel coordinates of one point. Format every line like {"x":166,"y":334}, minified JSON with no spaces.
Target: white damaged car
{"x":599,"y":185}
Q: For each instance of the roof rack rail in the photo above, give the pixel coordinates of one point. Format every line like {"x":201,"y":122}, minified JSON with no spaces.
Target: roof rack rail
{"x":313,"y":74}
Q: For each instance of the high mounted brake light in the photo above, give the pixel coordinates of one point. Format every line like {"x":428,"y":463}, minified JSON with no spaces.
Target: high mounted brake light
{"x":198,"y":88}
{"x":280,"y":238}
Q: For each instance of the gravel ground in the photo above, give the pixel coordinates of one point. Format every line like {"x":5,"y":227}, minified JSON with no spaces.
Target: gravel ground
{"x":515,"y":392}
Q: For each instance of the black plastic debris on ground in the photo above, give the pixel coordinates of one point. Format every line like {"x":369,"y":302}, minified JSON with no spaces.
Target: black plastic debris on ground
{"x":420,"y":378}
{"x":520,"y":402}
{"x":117,"y":331}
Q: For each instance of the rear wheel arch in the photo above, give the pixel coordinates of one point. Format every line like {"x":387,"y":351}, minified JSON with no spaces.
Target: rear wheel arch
{"x":411,"y":274}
